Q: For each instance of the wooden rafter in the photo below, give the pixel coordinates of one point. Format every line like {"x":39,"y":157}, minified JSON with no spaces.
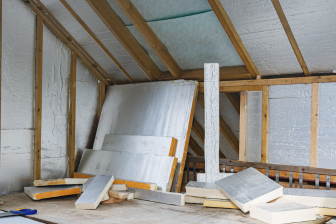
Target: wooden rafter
{"x":230,"y":30}
{"x":234,"y":89}
{"x":290,"y":36}
{"x":38,"y":97}
{"x":95,"y":38}
{"x":198,"y":130}
{"x":235,"y":100}
{"x":124,"y":36}
{"x":51,"y":22}
{"x":195,"y":147}
{"x":225,"y":73}
{"x":147,"y":33}
{"x":72,"y":115}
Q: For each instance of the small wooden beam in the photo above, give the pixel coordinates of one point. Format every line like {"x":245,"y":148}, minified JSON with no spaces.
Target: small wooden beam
{"x":290,"y":36}
{"x":230,"y":30}
{"x":198,"y":130}
{"x":264,"y":124}
{"x":235,"y":100}
{"x":233,"y":89}
{"x":314,"y":125}
{"x":102,"y":90}
{"x":225,"y":73}
{"x":242,"y":127}
{"x":195,"y":147}
{"x":38,"y":97}
{"x":124,"y":36}
{"x":147,"y":33}
{"x":72,"y":115}
{"x":95,"y":38}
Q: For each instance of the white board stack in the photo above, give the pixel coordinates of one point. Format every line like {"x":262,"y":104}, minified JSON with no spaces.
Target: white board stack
{"x":249,"y":187}
{"x":130,"y":166}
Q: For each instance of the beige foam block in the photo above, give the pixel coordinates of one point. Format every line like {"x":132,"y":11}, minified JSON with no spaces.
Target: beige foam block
{"x":106,"y":197}
{"x":119,"y":187}
{"x":282,"y":212}
{"x":112,"y":201}
{"x":194,"y":200}
{"x":219,"y":204}
{"x":64,"y":181}
{"x":204,"y":190}
{"x":121,"y":194}
{"x":38,"y":193}
{"x":325,"y":211}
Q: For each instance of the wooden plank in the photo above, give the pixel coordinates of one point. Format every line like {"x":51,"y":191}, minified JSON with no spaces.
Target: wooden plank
{"x":96,"y":39}
{"x":38,"y":97}
{"x":147,"y":33}
{"x":242,"y":127}
{"x":195,"y":147}
{"x":314,"y":125}
{"x":235,"y":100}
{"x":290,"y":36}
{"x":38,"y":193}
{"x":72,"y":115}
{"x":65,"y":36}
{"x":102,"y":91}
{"x":233,"y":89}
{"x":198,"y":130}
{"x":225,"y":73}
{"x":264,"y":124}
{"x":124,"y":36}
{"x":234,"y":37}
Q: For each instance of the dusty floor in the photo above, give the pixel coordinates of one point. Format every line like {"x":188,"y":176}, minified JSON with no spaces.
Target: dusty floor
{"x":62,"y":210}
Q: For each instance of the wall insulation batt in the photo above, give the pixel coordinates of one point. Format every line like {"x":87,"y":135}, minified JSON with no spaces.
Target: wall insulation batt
{"x":151,"y":109}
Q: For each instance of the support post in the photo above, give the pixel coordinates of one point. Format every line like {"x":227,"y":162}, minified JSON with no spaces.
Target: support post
{"x":264,"y":124}
{"x":242,"y":127}
{"x":102,"y":90}
{"x":72,"y":115}
{"x":314,"y":125}
{"x":38,"y":97}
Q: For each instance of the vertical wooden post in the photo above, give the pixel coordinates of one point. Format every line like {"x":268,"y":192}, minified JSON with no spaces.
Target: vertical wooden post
{"x":264,"y":124}
{"x":72,"y":115}
{"x":38,"y":97}
{"x":242,"y":127}
{"x":314,"y":125}
{"x":102,"y":89}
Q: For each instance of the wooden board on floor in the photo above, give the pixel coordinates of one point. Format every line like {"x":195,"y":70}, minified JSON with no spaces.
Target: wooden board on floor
{"x":95,"y":192}
{"x":64,"y":181}
{"x":38,"y":193}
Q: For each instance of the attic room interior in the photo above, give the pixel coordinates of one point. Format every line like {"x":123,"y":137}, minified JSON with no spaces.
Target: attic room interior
{"x":168,"y":111}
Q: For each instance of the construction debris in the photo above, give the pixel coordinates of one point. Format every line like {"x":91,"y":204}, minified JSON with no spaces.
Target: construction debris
{"x":64,"y":181}
{"x":119,"y":187}
{"x":159,"y":196}
{"x":112,"y":201}
{"x":95,"y":192}
{"x":38,"y":193}
{"x":282,"y":212}
{"x":121,"y":194}
{"x":249,"y":187}
{"x":219,"y":204}
{"x":203,"y":190}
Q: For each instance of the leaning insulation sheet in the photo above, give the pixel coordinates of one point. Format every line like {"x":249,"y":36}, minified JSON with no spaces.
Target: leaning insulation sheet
{"x":130,"y":166}
{"x":151,"y":109}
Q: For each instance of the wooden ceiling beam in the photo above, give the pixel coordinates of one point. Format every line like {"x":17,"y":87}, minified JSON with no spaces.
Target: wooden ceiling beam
{"x":230,"y":30}
{"x":96,"y":39}
{"x":195,"y":147}
{"x":198,"y":130}
{"x":290,"y":36}
{"x":147,"y":33}
{"x":125,"y":37}
{"x":51,"y":22}
{"x":235,"y":100}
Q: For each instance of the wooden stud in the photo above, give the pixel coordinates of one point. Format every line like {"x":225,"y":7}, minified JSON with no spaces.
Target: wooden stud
{"x":61,"y":33}
{"x":290,"y":36}
{"x":264,"y":124}
{"x":102,"y":91}
{"x":235,"y":100}
{"x":124,"y":36}
{"x":242,"y":127}
{"x":314,"y":125}
{"x":234,"y":89}
{"x":38,"y":97}
{"x":72,"y":115}
{"x":147,"y":33}
{"x":230,"y":30}
{"x":198,"y":130}
{"x":95,"y":38}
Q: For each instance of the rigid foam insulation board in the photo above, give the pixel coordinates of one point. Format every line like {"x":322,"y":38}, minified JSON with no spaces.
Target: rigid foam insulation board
{"x":38,"y":193}
{"x":95,"y":192}
{"x":259,"y":27}
{"x":213,"y":203}
{"x":159,"y":196}
{"x":96,"y":25}
{"x":119,"y":187}
{"x":282,"y":212}
{"x":17,"y":96}
{"x":203,"y":189}
{"x":310,"y":197}
{"x":249,"y":187}
{"x":112,"y":201}
{"x":154,"y":145}
{"x":17,"y":219}
{"x":194,"y":200}
{"x":121,"y":194}
{"x":130,"y":166}
{"x":325,"y":211}
{"x":64,"y":181}
{"x":289,"y":124}
{"x":151,"y":109}
{"x":128,"y":183}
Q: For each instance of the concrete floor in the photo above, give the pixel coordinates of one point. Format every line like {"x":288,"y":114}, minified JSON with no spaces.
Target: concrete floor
{"x":62,"y":210}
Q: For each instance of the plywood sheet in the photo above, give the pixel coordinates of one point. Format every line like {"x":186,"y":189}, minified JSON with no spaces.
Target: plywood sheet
{"x":130,"y":166}
{"x":38,"y":193}
{"x":64,"y":181}
{"x":154,"y":145}
{"x":150,"y":109}
{"x":249,"y":187}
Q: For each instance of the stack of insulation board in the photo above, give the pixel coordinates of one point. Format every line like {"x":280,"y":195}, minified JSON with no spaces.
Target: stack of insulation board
{"x":143,"y":133}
